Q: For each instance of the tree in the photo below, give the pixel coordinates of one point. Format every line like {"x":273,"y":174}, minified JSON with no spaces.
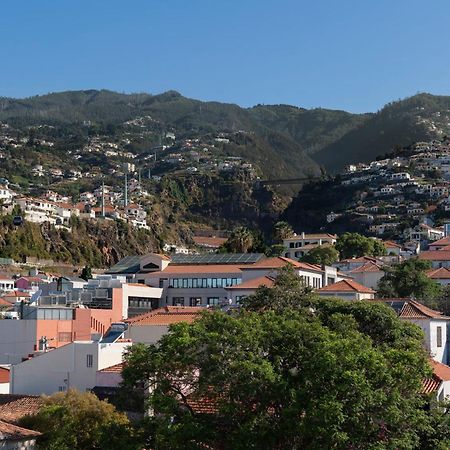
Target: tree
{"x":324,"y":254}
{"x":80,"y":421}
{"x":354,"y":245}
{"x":240,"y":240}
{"x":281,"y":380}
{"x":86,"y":273}
{"x":282,"y":230}
{"x":409,"y":279}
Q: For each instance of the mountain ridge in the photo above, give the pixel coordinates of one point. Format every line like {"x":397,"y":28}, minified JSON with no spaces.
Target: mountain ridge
{"x":298,"y":140}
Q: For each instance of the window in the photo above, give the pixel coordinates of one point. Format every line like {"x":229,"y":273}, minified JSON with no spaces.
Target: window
{"x":89,"y":360}
{"x":439,"y":336}
{"x":61,"y":388}
{"x":212,"y":301}
{"x":291,"y":245}
{"x":195,"y":282}
{"x":178,"y":301}
{"x":185,"y":282}
{"x":195,"y":301}
{"x":214,"y":282}
{"x":174,"y":283}
{"x":190,"y":283}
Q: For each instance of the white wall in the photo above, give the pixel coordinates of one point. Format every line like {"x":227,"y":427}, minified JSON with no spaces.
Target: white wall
{"x":429,"y":327}
{"x":64,"y":368}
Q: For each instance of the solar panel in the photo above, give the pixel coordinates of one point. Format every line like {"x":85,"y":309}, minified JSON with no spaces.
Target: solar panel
{"x":217,"y":258}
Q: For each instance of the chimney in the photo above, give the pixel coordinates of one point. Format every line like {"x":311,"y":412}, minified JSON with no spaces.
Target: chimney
{"x":303,"y":235}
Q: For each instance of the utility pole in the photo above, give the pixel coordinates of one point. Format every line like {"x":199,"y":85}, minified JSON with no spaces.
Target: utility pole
{"x":103,"y":199}
{"x":125,"y":201}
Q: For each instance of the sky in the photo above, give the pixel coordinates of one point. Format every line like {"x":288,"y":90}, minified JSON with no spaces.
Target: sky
{"x":355,"y":55}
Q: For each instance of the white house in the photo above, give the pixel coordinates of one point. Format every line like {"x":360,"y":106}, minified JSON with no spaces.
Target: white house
{"x":6,"y":283}
{"x":74,"y":365}
{"x":369,"y":274}
{"x":433,"y":324}
{"x":299,"y":245}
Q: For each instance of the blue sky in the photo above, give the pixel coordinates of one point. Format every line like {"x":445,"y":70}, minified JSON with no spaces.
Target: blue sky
{"x":343,"y":54}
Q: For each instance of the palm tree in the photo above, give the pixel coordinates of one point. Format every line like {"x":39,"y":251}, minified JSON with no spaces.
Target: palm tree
{"x":282,"y":230}
{"x":240,"y":241}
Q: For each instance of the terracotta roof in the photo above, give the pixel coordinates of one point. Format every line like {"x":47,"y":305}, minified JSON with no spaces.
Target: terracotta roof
{"x":439,"y":274}
{"x":3,"y":302}
{"x":116,"y":368}
{"x":391,"y":244}
{"x":435,"y":255}
{"x":441,"y":242}
{"x":209,"y":241}
{"x":198,"y":268}
{"x":347,"y":286}
{"x":14,"y":407}
{"x":254,"y":283}
{"x":412,"y":309}
{"x":367,"y":267}
{"x":10,"y":432}
{"x":167,"y":316}
{"x":440,"y":371}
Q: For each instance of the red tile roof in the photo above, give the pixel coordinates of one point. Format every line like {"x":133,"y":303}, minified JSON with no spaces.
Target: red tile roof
{"x":167,"y":316}
{"x":391,"y":244}
{"x":441,"y":242}
{"x":116,"y":368}
{"x":435,"y":255}
{"x":367,"y":267}
{"x":347,"y":286}
{"x":254,"y":283}
{"x":412,"y":309}
{"x":440,"y":371}
{"x":10,"y":432}
{"x":14,"y":407}
{"x":439,"y":274}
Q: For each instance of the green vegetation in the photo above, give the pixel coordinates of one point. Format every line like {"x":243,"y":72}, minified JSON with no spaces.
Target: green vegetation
{"x":354,"y":245}
{"x":288,"y":371}
{"x":409,"y":279}
{"x":80,"y":421}
{"x":92,"y":243}
{"x":324,"y":254}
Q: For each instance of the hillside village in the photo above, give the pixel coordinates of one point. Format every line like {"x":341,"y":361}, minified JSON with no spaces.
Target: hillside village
{"x":64,"y":326}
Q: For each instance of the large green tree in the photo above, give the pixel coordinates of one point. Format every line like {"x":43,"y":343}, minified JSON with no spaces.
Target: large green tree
{"x":354,"y":245}
{"x":327,"y":374}
{"x":408,"y":279}
{"x":80,"y":421}
{"x":324,"y":254}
